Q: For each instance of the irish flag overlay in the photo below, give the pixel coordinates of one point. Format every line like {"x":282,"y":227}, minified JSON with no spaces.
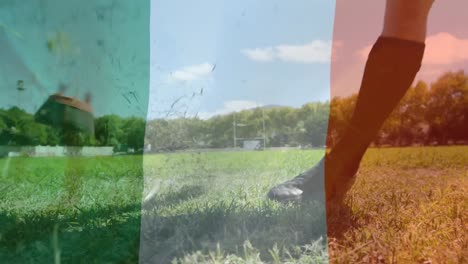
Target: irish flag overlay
{"x":69,"y":72}
{"x":415,"y":167}
{"x":172,"y":131}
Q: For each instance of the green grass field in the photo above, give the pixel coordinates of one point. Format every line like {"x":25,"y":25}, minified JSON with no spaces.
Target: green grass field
{"x":408,"y":205}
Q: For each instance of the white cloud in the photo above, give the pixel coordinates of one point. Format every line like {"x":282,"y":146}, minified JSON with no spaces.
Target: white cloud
{"x":364,"y":52}
{"x":193,"y":72}
{"x":317,"y":51}
{"x":441,"y":49}
{"x":229,"y":107}
{"x":444,"y":49}
{"x":336,"y":49}
{"x":265,"y":54}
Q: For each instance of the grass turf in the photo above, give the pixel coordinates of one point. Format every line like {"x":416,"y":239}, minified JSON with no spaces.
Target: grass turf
{"x":408,"y":205}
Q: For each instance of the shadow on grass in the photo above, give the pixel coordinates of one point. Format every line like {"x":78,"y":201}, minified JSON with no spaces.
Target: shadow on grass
{"x":112,"y":234}
{"x":97,"y":235}
{"x":340,"y":219}
{"x":109,"y":234}
{"x":226,"y":225}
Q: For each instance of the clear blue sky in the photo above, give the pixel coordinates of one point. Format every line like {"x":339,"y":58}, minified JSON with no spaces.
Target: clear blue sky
{"x":262,"y":52}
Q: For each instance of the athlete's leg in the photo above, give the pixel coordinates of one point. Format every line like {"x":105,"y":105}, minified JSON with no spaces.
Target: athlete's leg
{"x":390,"y":69}
{"x":407,"y":19}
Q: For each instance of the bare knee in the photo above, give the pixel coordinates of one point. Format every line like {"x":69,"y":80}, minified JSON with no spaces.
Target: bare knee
{"x":407,"y":19}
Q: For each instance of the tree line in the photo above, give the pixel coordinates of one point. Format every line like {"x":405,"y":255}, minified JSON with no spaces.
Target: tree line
{"x":427,"y":115}
{"x":18,"y":128}
{"x":435,"y":114}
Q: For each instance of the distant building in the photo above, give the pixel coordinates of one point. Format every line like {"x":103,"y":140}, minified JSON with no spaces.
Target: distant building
{"x":252,"y":144}
{"x":63,"y":111}
{"x":148,"y":147}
